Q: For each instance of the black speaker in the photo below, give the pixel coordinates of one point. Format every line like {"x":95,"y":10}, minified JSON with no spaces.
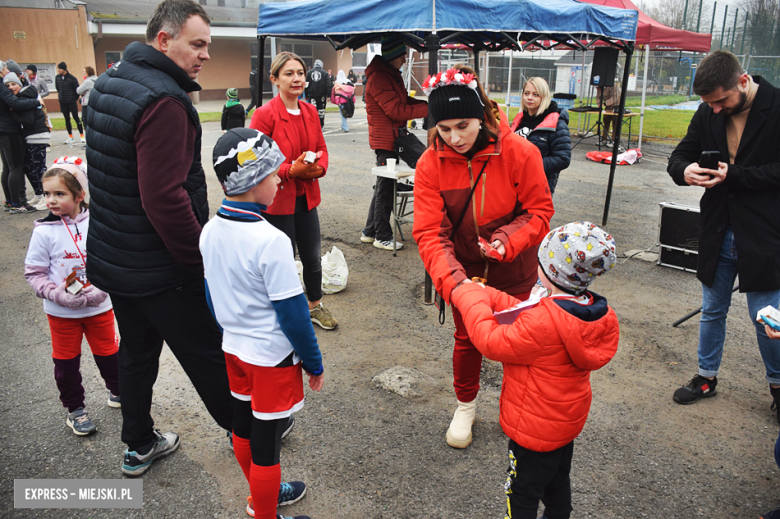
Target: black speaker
{"x":602,"y":73}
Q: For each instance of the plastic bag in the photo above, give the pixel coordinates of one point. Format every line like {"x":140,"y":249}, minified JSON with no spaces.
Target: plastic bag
{"x":334,"y":271}
{"x":299,"y":267}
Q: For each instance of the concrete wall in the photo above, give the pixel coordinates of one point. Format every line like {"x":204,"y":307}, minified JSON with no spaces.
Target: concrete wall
{"x":50,"y":36}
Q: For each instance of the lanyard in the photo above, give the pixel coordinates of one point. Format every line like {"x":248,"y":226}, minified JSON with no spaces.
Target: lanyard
{"x":74,"y":240}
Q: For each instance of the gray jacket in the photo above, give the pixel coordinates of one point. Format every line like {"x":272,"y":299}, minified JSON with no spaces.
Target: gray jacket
{"x":41,"y":86}
{"x":85,"y":88}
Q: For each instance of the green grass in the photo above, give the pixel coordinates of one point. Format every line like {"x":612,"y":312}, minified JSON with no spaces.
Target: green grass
{"x":659,"y":124}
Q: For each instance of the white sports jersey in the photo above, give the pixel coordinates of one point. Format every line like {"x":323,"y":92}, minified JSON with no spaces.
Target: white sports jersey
{"x":52,"y":246}
{"x":248,"y":264}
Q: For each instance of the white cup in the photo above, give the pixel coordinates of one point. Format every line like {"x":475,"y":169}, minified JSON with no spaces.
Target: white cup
{"x":391,"y":165}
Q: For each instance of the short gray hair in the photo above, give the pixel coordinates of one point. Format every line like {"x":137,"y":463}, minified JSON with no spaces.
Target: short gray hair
{"x":171,"y":15}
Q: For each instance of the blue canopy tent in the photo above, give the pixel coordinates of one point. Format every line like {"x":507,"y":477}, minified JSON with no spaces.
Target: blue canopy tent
{"x":425,"y":25}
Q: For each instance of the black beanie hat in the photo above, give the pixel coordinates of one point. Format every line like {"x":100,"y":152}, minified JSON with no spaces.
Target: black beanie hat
{"x":455,"y":102}
{"x":32,"y":68}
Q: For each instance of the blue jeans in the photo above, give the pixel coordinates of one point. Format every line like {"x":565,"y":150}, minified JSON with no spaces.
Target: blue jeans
{"x":715,"y":306}
{"x":344,"y":125}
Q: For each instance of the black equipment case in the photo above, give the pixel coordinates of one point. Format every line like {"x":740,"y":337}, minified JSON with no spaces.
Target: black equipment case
{"x":678,"y":236}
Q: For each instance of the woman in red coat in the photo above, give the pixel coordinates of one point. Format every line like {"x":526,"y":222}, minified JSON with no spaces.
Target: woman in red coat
{"x":488,"y":182}
{"x":295,"y":127}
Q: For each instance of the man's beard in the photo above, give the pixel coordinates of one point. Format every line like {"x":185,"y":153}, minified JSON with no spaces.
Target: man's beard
{"x":740,"y":106}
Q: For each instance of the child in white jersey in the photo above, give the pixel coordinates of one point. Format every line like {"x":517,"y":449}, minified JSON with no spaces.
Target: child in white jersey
{"x":57,"y":250}
{"x":252,"y":284}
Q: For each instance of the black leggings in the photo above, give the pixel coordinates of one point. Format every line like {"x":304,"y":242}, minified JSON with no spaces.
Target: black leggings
{"x":265,"y":436}
{"x":303,"y":229}
{"x":69,"y":109}
{"x":12,"y":150}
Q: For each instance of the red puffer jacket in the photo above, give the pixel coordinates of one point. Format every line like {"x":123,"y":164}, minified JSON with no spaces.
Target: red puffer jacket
{"x":548,"y":354}
{"x":388,"y":105}
{"x":511,"y":203}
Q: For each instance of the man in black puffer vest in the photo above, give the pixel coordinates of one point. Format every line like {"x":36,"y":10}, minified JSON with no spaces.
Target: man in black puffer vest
{"x":148,"y":206}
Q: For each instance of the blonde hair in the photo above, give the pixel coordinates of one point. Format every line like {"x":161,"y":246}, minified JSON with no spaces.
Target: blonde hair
{"x":281,"y":59}
{"x":70,"y":181}
{"x":544,"y":93}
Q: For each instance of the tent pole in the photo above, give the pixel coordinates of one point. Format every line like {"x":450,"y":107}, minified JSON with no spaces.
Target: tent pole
{"x":432,"y":44}
{"x":582,"y":88}
{"x":260,"y":70}
{"x":644,"y":93}
{"x":273,"y":55}
{"x":629,"y":51}
{"x":476,"y":64}
{"x":509,"y":82}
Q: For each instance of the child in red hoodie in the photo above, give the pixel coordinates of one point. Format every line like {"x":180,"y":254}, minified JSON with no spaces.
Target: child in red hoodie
{"x":548,"y":353}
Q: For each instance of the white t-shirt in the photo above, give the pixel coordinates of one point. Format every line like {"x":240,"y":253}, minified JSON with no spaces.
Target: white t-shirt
{"x":248,"y":264}
{"x":52,"y":246}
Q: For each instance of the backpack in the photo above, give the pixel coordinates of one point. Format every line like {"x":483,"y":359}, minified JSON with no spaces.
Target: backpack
{"x":348,"y":106}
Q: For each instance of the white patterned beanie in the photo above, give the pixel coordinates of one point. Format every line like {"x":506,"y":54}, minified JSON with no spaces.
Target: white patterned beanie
{"x":573,"y":255}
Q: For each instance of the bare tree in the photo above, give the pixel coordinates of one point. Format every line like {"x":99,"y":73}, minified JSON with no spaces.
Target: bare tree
{"x":763,"y":31}
{"x":672,"y":14}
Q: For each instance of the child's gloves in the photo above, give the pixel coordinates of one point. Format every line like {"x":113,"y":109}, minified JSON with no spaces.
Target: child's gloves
{"x":300,"y":169}
{"x":62,"y":297}
{"x":94,"y":295}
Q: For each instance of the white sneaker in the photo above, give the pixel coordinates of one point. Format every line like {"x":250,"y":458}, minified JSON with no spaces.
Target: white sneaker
{"x":388,"y":245}
{"x":459,"y":433}
{"x":366,"y":239}
{"x":82,"y":140}
{"x":35,"y":200}
{"x":41,"y":206}
{"x":69,"y":140}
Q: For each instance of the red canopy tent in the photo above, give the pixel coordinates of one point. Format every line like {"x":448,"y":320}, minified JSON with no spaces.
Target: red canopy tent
{"x":657,"y":35}
{"x":652,"y":35}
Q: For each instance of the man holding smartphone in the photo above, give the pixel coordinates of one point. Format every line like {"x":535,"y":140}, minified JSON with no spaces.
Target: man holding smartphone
{"x":739,"y":120}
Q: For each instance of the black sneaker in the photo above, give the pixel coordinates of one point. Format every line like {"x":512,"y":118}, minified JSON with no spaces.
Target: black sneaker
{"x":289,"y":426}
{"x":774,"y":514}
{"x":136,"y":464}
{"x":697,"y":388}
{"x":775,"y":392}
{"x":24,"y":208}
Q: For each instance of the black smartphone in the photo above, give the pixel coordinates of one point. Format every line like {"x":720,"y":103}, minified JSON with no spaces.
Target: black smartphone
{"x":709,"y":159}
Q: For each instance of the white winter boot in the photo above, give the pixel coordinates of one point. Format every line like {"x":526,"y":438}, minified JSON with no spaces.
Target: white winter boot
{"x":459,"y":433}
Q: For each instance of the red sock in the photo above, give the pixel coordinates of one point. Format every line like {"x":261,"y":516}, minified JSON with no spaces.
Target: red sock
{"x":243,"y":454}
{"x":264,"y":484}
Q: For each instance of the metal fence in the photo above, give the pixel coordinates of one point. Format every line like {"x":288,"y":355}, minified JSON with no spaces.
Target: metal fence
{"x":767,"y":67}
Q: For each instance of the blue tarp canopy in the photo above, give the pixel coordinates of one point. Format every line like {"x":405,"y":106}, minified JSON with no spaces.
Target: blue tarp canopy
{"x":482,"y":24}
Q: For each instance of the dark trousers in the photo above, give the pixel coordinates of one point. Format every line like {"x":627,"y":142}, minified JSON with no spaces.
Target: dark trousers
{"x":378,"y":220}
{"x":34,"y":167}
{"x":538,"y":475}
{"x":69,"y":109}
{"x":84,"y":110}
{"x":254,"y":101}
{"x":303,"y":229}
{"x":320,"y":102}
{"x":182,"y":319}
{"x":12,"y":151}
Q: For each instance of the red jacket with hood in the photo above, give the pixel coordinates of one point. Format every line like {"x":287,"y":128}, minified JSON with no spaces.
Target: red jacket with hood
{"x":548,"y":354}
{"x":388,"y":105}
{"x":274,"y":121}
{"x":511,"y":203}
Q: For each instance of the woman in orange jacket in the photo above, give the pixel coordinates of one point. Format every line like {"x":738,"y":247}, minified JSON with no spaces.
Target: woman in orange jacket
{"x":476,"y":181}
{"x":296,"y":129}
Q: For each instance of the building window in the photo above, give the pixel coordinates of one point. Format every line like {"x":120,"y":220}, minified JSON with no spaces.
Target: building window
{"x":203,"y":2}
{"x":220,"y":3}
{"x":113,"y":57}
